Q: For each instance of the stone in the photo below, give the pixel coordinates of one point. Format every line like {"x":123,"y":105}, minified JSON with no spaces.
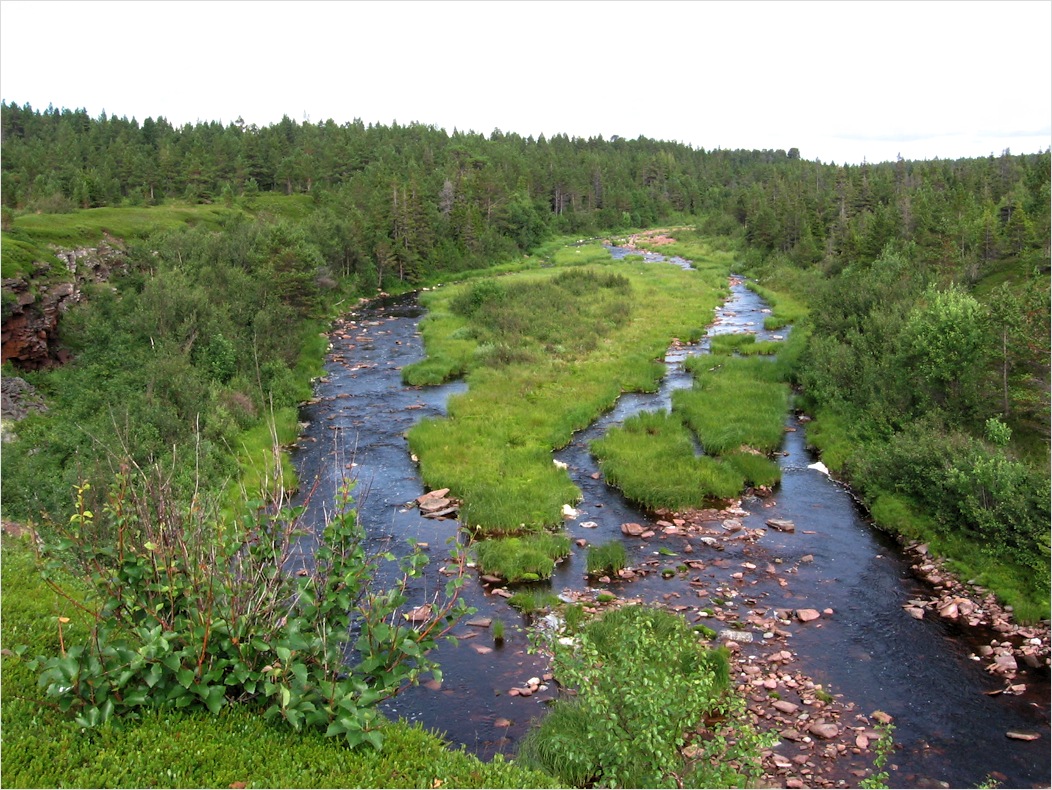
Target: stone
{"x":1023,"y":735}
{"x":588,"y":525}
{"x":502,"y":722}
{"x":742,"y":637}
{"x":632,"y":530}
{"x":881,"y":717}
{"x":1005,"y":663}
{"x":419,"y":615}
{"x":915,"y":612}
{"x":482,"y":649}
{"x":480,"y":622}
{"x":826,"y":730}
{"x":439,"y":493}
{"x":807,"y":615}
{"x":781,"y":524}
{"x":785,"y":706}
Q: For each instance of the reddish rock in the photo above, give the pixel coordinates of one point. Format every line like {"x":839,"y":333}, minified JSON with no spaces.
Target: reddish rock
{"x":807,"y":615}
{"x":824,"y":730}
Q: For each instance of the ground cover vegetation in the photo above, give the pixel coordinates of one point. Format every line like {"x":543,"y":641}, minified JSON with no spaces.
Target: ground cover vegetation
{"x":651,"y":706}
{"x":544,"y":353}
{"x":925,"y":286}
{"x":188,"y":746}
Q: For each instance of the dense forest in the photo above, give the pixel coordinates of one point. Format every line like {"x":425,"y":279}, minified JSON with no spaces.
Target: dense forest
{"x":926,"y":283}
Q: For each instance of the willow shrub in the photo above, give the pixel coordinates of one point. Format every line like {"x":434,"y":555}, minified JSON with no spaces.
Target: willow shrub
{"x":187,"y":747}
{"x":644,"y":688}
{"x":187,"y":613}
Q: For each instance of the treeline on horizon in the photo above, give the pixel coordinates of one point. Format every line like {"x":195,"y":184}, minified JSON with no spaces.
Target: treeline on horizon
{"x":927,"y":281}
{"x":412,"y":199}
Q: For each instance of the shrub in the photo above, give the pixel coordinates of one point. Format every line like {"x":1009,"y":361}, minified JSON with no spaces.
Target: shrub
{"x":188,"y":613}
{"x":644,"y":686}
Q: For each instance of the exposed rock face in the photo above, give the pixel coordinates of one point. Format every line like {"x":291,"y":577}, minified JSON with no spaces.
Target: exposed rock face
{"x":33,"y":307}
{"x":18,"y":398}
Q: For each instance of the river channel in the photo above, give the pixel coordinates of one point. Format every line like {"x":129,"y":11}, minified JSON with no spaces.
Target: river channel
{"x":866,"y":650}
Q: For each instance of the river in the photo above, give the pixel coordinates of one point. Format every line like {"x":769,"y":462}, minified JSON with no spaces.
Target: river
{"x":868,"y":651}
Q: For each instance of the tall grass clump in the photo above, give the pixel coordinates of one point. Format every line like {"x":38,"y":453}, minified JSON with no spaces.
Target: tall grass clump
{"x":733,"y":404}
{"x":534,"y":600}
{"x":743,"y":345}
{"x":651,"y":457}
{"x":526,"y":558}
{"x":607,"y":559}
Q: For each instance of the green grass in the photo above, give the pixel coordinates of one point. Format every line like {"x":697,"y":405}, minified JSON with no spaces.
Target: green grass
{"x":743,"y":345}
{"x":786,"y":309}
{"x":607,"y":559}
{"x":42,"y":747}
{"x":526,"y":558}
{"x":651,"y":458}
{"x":734,"y":405}
{"x":580,"y":341}
{"x":534,"y":600}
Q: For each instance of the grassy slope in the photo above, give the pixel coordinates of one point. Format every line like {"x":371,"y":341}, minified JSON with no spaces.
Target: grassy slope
{"x":43,"y":748}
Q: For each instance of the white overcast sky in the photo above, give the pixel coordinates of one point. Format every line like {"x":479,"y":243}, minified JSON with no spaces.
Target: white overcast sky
{"x":842,"y":81}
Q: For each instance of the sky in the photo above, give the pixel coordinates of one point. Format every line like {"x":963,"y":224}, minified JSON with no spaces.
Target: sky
{"x":843,"y":82}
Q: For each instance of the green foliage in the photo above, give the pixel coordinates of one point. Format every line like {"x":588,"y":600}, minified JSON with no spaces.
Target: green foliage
{"x":188,"y":747}
{"x":643,"y":687}
{"x":526,"y":558}
{"x":945,"y":346}
{"x":533,"y":600}
{"x":607,"y":559}
{"x":651,"y":458}
{"x":884,"y":748}
{"x":187,"y":613}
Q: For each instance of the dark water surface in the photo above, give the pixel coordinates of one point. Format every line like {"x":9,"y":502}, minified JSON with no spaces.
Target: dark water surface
{"x":871,"y":652}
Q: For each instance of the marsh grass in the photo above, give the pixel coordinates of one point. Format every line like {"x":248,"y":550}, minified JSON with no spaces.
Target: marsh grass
{"x":607,"y":559}
{"x":534,"y":600}
{"x":743,"y":345}
{"x":733,"y":404}
{"x":651,"y":458}
{"x":786,"y":309}
{"x":525,"y":558}
{"x":594,"y":328}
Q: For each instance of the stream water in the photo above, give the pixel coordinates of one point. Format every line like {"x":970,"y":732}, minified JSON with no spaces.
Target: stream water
{"x":948,"y":733}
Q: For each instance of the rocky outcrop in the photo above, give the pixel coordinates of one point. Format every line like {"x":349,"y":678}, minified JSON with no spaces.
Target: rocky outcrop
{"x":34,"y":306}
{"x":18,"y":398}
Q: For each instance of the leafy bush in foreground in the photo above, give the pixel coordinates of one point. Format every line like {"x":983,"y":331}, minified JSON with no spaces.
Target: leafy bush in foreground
{"x":190,"y":614}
